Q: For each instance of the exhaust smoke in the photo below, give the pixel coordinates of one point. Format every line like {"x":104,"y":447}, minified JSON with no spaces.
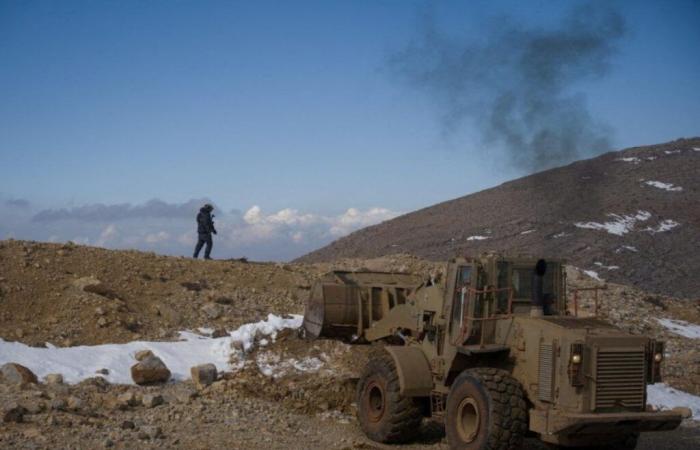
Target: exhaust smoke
{"x":515,"y":84}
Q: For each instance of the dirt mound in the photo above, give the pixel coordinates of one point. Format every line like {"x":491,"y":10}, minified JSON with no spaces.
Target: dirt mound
{"x":630,"y":215}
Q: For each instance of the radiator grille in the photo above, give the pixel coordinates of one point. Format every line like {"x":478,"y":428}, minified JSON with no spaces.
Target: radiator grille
{"x":546,"y":372}
{"x":620,"y":379}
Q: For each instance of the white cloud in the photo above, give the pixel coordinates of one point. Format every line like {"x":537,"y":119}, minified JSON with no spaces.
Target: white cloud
{"x":170,"y":228}
{"x":154,"y":238}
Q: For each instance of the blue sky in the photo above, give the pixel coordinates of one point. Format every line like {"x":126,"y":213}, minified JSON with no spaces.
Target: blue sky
{"x":287,"y":106}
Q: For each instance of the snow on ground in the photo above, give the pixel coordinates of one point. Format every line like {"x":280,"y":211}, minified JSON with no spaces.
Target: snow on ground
{"x":620,"y":225}
{"x":603,"y":266}
{"x":631,"y":159}
{"x":672,"y":152}
{"x":666,"y":225}
{"x":560,"y":235}
{"x":663,"y":396}
{"x":528,"y":231}
{"x":696,"y":149}
{"x":272,"y":365}
{"x":681,"y":327}
{"x":664,"y":186}
{"x":593,"y":274}
{"x":477,"y":238}
{"x":81,"y":362}
{"x":622,"y":248}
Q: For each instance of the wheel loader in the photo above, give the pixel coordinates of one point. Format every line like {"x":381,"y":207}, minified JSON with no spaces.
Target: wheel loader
{"x":490,"y":350}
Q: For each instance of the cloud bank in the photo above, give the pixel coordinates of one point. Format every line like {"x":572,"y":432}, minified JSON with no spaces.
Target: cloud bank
{"x":170,"y":228}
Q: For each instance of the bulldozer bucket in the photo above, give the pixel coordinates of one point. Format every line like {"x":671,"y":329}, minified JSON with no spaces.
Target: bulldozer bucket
{"x":343,"y":304}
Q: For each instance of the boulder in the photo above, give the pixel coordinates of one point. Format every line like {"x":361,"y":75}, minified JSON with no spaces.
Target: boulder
{"x":17,"y":374}
{"x":219,"y":333}
{"x":54,"y":378}
{"x":149,"y":370}
{"x":142,"y":354}
{"x":151,"y":400}
{"x":203,"y":375}
{"x":13,"y":412}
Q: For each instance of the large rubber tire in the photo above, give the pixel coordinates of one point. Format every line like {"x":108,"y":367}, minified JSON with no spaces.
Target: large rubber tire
{"x":384,"y":414}
{"x":486,"y":410}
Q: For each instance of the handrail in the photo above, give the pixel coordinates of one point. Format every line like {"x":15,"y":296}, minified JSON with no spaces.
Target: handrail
{"x":465,"y":321}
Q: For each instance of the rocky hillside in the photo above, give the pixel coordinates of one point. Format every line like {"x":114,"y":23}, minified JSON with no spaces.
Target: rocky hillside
{"x":280,"y":393}
{"x":632,"y":217}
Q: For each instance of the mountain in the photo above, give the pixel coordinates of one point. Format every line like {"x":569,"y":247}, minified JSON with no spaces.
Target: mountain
{"x":630,"y":217}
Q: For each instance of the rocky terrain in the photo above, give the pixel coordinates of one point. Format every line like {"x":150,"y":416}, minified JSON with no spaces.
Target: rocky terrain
{"x":280,"y":392}
{"x":632,"y":216}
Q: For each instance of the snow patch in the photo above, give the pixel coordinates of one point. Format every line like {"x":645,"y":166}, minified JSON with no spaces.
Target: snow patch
{"x":696,"y":149}
{"x":666,"y":225}
{"x":620,"y":225}
{"x":272,"y":365}
{"x":528,"y":231}
{"x":629,"y":248}
{"x":560,"y":235}
{"x":593,"y":274}
{"x":477,"y":238}
{"x":664,"y":186}
{"x":672,"y":152}
{"x":663,"y":396}
{"x":630,"y":159}
{"x":603,"y":266}
{"x":681,"y":327}
{"x":81,"y":362}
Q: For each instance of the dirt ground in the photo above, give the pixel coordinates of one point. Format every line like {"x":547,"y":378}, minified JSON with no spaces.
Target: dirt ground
{"x":58,"y":294}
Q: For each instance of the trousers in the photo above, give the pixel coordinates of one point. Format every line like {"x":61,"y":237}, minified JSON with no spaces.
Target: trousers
{"x":204,"y":238}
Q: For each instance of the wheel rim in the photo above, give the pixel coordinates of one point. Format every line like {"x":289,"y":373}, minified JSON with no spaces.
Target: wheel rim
{"x":375,"y":401}
{"x":468,"y":419}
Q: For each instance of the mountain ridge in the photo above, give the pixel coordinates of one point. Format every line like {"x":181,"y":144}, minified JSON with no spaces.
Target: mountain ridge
{"x":630,"y":216}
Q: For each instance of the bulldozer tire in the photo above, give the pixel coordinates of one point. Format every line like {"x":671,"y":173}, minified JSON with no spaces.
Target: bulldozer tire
{"x":486,"y":410}
{"x":384,"y":414}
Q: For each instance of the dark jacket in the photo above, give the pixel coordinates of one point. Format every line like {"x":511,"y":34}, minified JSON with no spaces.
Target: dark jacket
{"x":205,"y":224}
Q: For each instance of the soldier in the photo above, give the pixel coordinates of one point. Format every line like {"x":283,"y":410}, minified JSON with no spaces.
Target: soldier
{"x":205,"y":227}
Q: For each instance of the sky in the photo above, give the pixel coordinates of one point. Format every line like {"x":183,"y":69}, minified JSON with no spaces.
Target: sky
{"x":304,"y":121}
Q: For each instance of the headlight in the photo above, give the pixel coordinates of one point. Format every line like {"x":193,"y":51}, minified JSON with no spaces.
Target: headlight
{"x":576,"y":358}
{"x":658,"y":357}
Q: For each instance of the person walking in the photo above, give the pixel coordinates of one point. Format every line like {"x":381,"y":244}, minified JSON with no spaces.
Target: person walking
{"x":205,"y":228}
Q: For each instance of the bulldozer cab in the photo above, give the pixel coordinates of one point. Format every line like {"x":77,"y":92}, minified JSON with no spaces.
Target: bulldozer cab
{"x":480,"y":291}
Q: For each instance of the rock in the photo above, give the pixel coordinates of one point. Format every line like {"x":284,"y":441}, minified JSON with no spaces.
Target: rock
{"x":102,"y":322}
{"x":143,"y":354}
{"x":238,"y":345}
{"x":203,"y":375}
{"x":212,"y":311}
{"x":151,"y":400}
{"x":75,"y":403}
{"x":219,"y":333}
{"x":128,"y":399}
{"x":12,"y":412}
{"x":150,"y":432}
{"x":103,"y":371}
{"x":100,"y":311}
{"x":128,"y":425}
{"x":150,"y":370}
{"x":185,"y":395}
{"x":59,"y":404}
{"x":17,"y":374}
{"x":34,"y":407}
{"x":54,"y":378}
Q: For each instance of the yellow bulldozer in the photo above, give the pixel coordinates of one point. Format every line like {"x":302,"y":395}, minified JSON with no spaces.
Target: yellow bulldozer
{"x":493,"y":352}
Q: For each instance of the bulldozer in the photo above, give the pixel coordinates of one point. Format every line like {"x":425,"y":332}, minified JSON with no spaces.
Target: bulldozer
{"x":492,"y":351}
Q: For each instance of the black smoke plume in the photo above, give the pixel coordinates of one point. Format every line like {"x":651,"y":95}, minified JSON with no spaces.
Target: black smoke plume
{"x":515,"y":83}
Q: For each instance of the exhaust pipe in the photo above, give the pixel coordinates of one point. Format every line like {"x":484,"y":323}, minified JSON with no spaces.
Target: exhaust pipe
{"x":539,"y":307}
